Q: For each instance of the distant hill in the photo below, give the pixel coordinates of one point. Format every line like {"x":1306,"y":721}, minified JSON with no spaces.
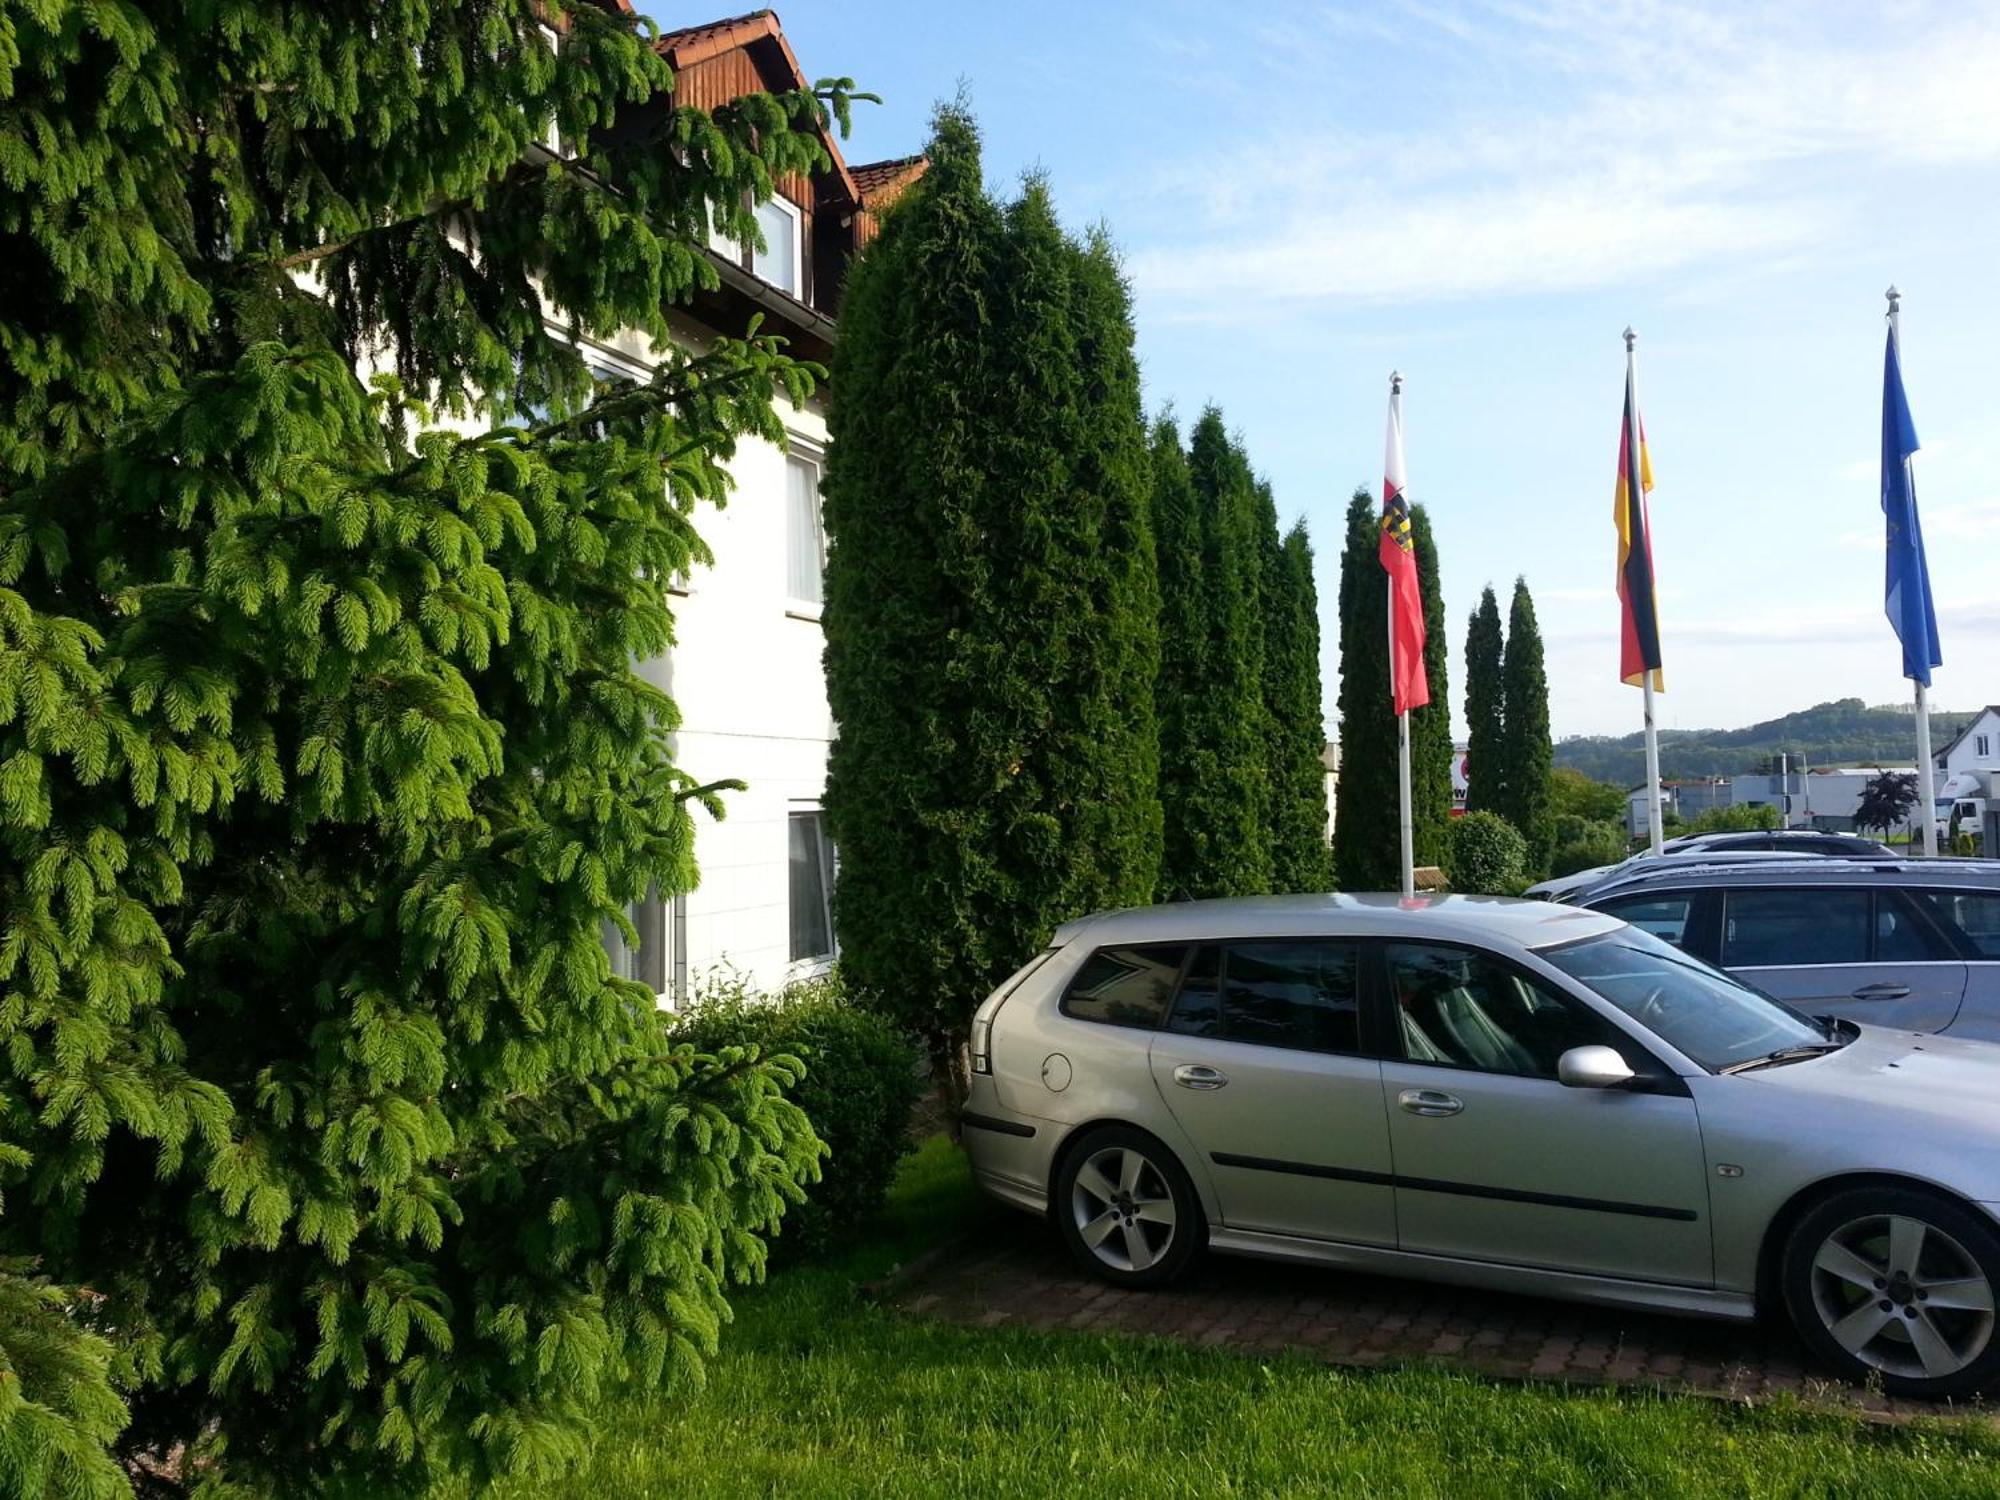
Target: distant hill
{"x":1843,"y":732}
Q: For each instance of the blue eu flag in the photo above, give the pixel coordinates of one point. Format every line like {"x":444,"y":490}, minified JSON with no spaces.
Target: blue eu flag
{"x":1907,"y":596}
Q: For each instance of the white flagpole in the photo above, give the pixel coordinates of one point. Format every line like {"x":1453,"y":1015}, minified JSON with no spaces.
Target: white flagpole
{"x":1655,"y":835}
{"x":1409,"y":859}
{"x":1926,"y":782}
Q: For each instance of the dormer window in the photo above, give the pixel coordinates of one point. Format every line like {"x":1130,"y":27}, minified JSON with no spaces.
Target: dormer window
{"x":780,"y":260}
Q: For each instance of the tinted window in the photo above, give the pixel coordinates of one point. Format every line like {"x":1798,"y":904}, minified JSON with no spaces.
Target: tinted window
{"x":1300,"y":993}
{"x":1463,"y":1010}
{"x":1779,"y":928}
{"x":1900,"y":936}
{"x":1125,"y":986}
{"x":1974,"y":915}
{"x":1663,"y":916}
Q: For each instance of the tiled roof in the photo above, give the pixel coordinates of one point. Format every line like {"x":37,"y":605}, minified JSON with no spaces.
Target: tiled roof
{"x":693,"y":43}
{"x":873,"y":176}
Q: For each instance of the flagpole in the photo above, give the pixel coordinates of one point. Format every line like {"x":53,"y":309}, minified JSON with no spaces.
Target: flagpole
{"x":1926,"y":781}
{"x":1655,"y":836}
{"x":1409,"y":857}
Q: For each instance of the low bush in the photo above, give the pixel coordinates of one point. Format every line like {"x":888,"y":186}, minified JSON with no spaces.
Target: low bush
{"x":1582,"y":844}
{"x":861,"y":1083}
{"x":1486,"y":854}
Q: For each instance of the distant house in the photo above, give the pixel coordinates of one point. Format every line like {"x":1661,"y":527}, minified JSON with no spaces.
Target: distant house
{"x":746,"y":669}
{"x":1968,"y":778}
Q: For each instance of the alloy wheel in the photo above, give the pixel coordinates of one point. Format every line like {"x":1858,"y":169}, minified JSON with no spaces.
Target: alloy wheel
{"x":1902,"y":1296}
{"x":1123,"y":1209}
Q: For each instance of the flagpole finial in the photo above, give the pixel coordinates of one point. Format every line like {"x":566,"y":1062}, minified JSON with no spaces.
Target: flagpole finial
{"x":1894,"y":297}
{"x":1395,"y":382}
{"x":1631,"y":338}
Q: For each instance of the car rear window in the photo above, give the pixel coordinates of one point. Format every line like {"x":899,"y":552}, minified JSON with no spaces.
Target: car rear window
{"x":1129,"y":986}
{"x":1973,"y":915}
{"x":1662,"y":916}
{"x":1782,"y":928}
{"x":1301,"y":993}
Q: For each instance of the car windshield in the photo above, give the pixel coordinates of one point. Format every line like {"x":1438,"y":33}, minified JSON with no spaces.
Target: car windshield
{"x":1703,"y":1013}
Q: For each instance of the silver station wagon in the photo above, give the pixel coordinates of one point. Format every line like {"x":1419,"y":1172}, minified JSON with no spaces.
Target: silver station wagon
{"x":1507,"y":1094}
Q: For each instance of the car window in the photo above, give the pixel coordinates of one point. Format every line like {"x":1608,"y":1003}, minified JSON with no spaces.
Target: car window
{"x":1125,"y":986}
{"x":1780,"y":928}
{"x":1900,"y":937}
{"x":1301,"y":993}
{"x":1663,"y":916}
{"x":1460,"y":1009}
{"x":1974,"y":915}
{"x":1703,"y":1013}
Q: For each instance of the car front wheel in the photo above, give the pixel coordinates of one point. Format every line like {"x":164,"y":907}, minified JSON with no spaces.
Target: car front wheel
{"x":1126,"y":1208}
{"x":1897,"y":1285}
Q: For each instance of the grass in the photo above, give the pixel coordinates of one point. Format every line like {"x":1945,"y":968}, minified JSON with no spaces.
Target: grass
{"x":820,"y":1393}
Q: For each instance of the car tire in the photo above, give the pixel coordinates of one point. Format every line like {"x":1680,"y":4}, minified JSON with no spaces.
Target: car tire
{"x":1126,"y":1209}
{"x":1897,"y":1285}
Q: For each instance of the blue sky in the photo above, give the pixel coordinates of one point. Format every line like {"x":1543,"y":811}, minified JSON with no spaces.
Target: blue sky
{"x":1484,"y":194}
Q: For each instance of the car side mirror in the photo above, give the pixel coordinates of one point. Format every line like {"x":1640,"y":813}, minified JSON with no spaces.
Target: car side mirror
{"x":1593,"y":1068}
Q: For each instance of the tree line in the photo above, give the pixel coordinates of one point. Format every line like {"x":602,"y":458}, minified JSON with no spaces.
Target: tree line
{"x":1073,"y":660}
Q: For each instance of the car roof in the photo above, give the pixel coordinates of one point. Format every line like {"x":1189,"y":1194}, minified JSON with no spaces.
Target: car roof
{"x":1803,"y":870}
{"x":1478,"y":919}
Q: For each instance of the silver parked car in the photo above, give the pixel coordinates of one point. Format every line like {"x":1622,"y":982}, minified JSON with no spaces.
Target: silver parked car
{"x":1507,"y":1094}
{"x":1913,"y":943}
{"x":1750,"y":846}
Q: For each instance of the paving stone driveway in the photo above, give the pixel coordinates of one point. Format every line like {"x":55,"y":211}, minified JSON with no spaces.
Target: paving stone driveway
{"x":1016,"y":1272}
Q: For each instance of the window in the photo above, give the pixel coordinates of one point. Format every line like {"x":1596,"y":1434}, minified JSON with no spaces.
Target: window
{"x":646,"y":963}
{"x":1900,"y":937}
{"x":779,"y":261}
{"x":1125,"y":986}
{"x":805,"y":540}
{"x":1301,"y":993}
{"x":1973,"y":915}
{"x":812,"y":888}
{"x":1779,"y":928}
{"x":1461,"y":1009}
{"x":1663,"y":916}
{"x":1981,"y":745}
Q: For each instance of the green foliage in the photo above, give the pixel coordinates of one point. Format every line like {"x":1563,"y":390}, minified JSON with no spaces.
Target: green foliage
{"x":1300,"y":857}
{"x":861,"y":1084}
{"x":1487,"y":854}
{"x":58,"y":1408}
{"x":1842,"y":732}
{"x":1887,"y":799}
{"x":1584,"y":844}
{"x":1526,"y":757}
{"x":1366,"y":835}
{"x":322,"y":755}
{"x":1430,"y":726}
{"x":991,"y":605}
{"x":1574,"y":795}
{"x":1485,"y":651}
{"x":1735,"y":818}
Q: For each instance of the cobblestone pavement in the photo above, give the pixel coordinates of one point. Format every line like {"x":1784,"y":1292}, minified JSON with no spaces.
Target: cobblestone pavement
{"x":1017,"y":1273}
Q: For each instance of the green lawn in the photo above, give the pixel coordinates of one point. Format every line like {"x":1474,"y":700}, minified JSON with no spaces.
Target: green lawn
{"x":818,"y":1393}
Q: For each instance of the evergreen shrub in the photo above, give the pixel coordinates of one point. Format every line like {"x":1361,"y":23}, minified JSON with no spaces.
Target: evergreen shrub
{"x":1487,"y":854}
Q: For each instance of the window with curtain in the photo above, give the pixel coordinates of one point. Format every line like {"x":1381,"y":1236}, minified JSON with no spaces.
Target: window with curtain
{"x":806,"y":541}
{"x":812,"y":888}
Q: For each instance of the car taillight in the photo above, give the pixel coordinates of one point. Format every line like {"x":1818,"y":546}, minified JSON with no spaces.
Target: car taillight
{"x":982,"y":1039}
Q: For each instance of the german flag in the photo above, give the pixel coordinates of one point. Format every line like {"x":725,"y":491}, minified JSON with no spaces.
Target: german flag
{"x":1639,"y":626}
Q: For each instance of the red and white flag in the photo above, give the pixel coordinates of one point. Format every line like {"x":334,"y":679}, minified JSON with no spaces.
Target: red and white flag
{"x":1408,"y":686}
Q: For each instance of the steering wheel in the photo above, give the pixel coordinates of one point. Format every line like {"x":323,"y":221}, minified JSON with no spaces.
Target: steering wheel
{"x":1654,"y":1007}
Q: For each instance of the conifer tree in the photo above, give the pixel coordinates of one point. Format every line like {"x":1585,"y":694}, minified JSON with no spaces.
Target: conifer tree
{"x":1366,"y":832}
{"x":322,"y":755}
{"x":991,"y":608}
{"x":1183,"y":654}
{"x":1430,"y":726}
{"x":1485,"y":650}
{"x":1300,"y":857}
{"x":1528,"y":758}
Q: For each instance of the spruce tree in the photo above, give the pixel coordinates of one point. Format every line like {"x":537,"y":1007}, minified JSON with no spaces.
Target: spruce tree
{"x":1300,"y":858}
{"x":1366,"y":832}
{"x":1430,"y":726}
{"x":1528,"y":758}
{"x":1183,"y":655}
{"x":991,"y":604}
{"x":1485,"y":650}
{"x":322,"y":754}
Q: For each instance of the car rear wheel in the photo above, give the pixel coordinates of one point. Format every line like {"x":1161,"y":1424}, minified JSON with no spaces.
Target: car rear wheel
{"x":1898,"y":1285}
{"x":1126,"y":1208}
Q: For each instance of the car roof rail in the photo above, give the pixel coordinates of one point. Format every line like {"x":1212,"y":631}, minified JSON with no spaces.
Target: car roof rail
{"x":1842,"y":869}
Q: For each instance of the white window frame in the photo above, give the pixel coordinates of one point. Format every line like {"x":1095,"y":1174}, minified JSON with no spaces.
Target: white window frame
{"x":1980,"y":745}
{"x":797,"y":218}
{"x":829,"y":862}
{"x":800,"y":450}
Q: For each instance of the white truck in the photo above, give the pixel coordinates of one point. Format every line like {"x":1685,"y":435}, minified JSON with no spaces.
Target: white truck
{"x":1967,"y":796}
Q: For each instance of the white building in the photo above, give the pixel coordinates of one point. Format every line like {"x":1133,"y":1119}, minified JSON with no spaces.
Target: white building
{"x":1968,"y":778}
{"x":746,"y":669}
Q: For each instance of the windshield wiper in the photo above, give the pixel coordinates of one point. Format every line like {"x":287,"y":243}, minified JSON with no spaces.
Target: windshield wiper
{"x":1785,"y":1055}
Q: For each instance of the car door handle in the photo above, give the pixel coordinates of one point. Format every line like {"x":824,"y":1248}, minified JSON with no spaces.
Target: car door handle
{"x":1888,"y":989}
{"x":1195,"y":1076}
{"x":1429,"y":1103}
